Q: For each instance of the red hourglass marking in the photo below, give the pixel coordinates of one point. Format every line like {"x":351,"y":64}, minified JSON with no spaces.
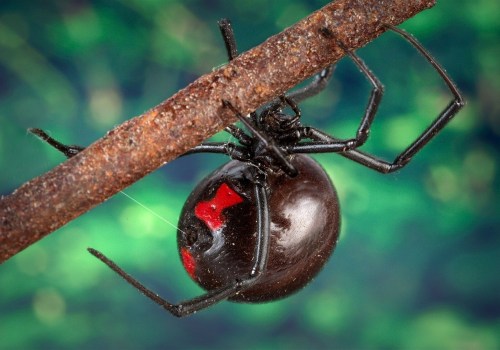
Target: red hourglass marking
{"x":210,"y":212}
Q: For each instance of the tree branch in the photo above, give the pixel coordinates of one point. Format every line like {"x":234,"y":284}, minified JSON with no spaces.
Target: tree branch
{"x":142,"y":144}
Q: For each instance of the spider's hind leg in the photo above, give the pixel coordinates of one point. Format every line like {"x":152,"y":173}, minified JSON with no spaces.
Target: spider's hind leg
{"x":229,"y":39}
{"x":68,"y":150}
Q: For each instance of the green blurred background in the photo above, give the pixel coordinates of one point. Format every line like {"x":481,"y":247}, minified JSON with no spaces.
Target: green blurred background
{"x":417,"y":266}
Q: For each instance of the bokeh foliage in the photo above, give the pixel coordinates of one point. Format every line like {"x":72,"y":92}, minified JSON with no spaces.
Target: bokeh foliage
{"x":417,"y":264}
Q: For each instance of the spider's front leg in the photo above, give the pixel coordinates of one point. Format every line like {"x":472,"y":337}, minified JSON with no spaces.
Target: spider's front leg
{"x":227,"y":148}
{"x":68,"y":150}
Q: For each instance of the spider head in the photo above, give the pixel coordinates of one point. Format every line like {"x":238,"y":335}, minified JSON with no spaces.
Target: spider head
{"x":278,"y":123}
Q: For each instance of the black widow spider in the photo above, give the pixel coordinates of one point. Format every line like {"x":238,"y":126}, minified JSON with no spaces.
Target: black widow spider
{"x":263,"y":225}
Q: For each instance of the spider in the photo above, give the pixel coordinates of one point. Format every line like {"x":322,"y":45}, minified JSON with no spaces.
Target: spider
{"x":260,"y":227}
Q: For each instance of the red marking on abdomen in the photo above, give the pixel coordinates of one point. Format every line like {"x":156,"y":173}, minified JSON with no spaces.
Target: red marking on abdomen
{"x":188,"y":262}
{"x":210,"y":212}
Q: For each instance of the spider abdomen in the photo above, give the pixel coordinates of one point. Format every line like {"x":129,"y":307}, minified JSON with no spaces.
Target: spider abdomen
{"x":218,"y":229}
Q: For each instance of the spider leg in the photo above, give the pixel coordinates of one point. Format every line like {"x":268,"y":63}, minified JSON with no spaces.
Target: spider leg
{"x":372,"y":106}
{"x":228,"y":37}
{"x":232,"y":52}
{"x":324,"y":143}
{"x":443,"y":118}
{"x":239,"y":134}
{"x":432,"y":130}
{"x":373,"y":103}
{"x":320,"y":81}
{"x":188,"y":307}
{"x":295,"y":108}
{"x":337,"y":145}
{"x":318,"y":84}
{"x":227,"y":148}
{"x":68,"y":150}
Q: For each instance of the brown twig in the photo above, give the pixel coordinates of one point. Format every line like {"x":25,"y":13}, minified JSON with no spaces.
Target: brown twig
{"x":142,"y":144}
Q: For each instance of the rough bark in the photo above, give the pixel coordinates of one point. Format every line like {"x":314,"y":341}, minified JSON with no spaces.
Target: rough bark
{"x":144,"y":143}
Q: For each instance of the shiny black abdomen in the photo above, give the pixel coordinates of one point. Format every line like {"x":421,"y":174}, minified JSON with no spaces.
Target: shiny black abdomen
{"x":218,"y":229}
